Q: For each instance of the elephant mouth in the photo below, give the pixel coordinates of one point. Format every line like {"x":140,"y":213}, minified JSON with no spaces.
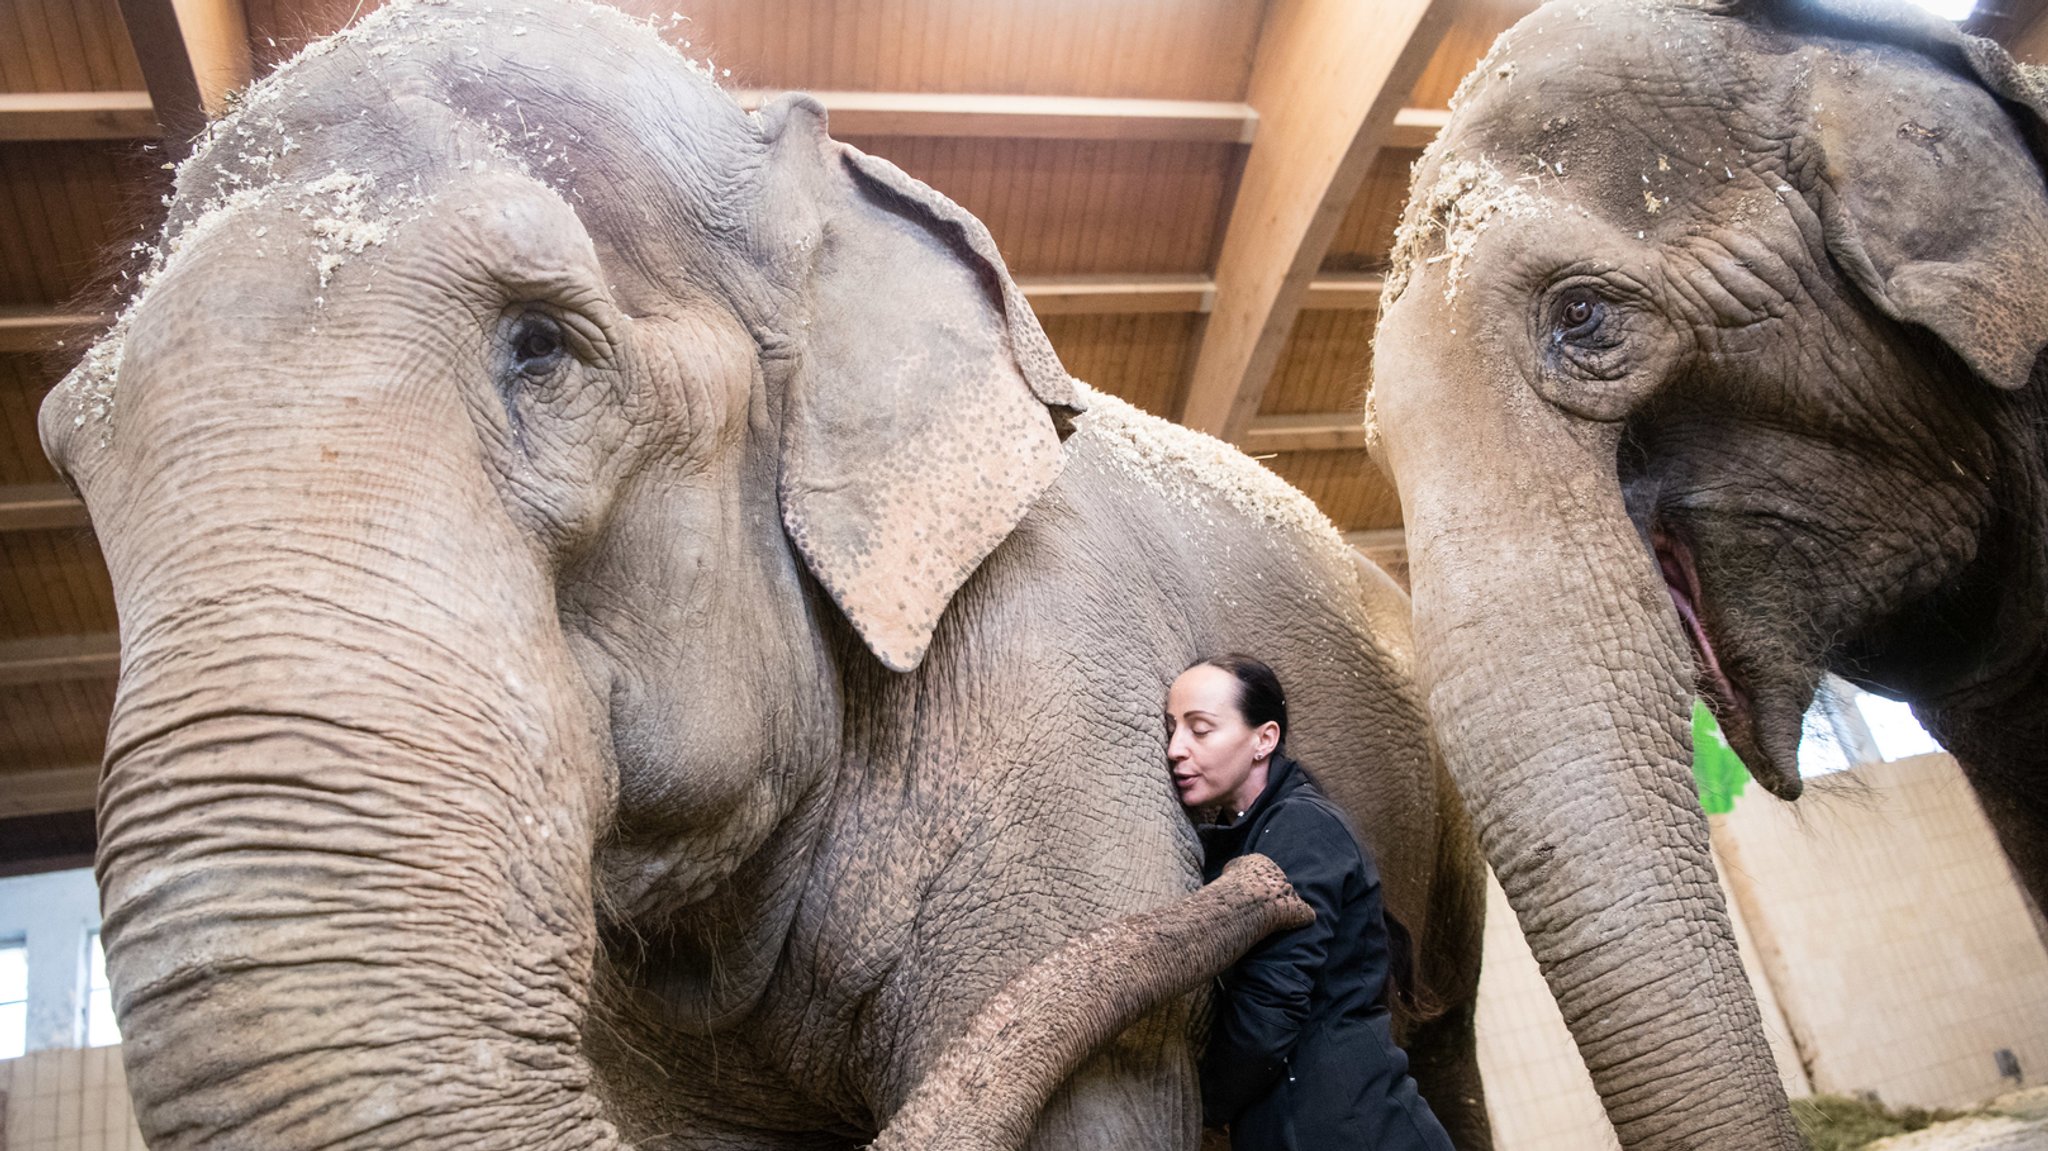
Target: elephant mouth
{"x":1682,"y":580}
{"x":1731,"y":702}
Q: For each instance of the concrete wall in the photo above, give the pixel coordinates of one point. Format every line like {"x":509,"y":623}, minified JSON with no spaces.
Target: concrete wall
{"x":54,"y":912}
{"x":1894,"y":933}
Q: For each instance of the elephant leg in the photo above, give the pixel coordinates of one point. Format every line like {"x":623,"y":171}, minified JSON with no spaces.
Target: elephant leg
{"x":1443,"y":1052}
{"x":1443,"y":1056}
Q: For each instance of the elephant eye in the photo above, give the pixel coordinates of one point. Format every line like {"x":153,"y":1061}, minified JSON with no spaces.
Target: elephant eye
{"x":1578,"y":316}
{"x":537,"y":346}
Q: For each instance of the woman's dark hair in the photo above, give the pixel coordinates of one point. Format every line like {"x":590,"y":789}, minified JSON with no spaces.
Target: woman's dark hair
{"x":1259,"y":698}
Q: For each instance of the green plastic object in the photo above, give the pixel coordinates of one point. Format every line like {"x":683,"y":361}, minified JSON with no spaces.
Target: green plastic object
{"x":1716,"y":769}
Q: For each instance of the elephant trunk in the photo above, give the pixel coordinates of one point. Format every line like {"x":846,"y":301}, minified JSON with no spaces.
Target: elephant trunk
{"x":1560,"y":685}
{"x":352,"y":781}
{"x":990,"y":1082}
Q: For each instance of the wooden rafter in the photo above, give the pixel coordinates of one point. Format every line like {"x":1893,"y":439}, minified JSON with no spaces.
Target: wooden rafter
{"x":1330,"y":78}
{"x":1343,"y":293}
{"x":1107,"y":295}
{"x":39,"y":329}
{"x":1317,"y":432}
{"x":1416,"y":127}
{"x":47,"y":790}
{"x":1377,"y":538}
{"x":193,"y":54}
{"x":1125,"y":295}
{"x":1044,"y":117}
{"x":57,"y":658}
{"x":40,"y":507}
{"x":76,"y":116}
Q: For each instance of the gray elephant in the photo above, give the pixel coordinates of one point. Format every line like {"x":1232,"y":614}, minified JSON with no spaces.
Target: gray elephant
{"x":630,"y":635}
{"x":1709,"y":361}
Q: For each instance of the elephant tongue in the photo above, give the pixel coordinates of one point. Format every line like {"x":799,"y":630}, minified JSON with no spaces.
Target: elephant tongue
{"x":1771,"y":761}
{"x":1674,"y":559}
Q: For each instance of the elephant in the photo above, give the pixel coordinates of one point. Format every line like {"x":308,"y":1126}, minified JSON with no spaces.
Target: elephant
{"x":1708,"y":362}
{"x":631,"y":636}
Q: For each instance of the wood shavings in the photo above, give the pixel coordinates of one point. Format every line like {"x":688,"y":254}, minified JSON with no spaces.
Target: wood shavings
{"x":1444,"y":223}
{"x":1190,"y":468}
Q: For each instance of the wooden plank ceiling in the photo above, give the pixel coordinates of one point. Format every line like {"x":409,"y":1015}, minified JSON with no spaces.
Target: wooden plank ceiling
{"x":1131,"y":158}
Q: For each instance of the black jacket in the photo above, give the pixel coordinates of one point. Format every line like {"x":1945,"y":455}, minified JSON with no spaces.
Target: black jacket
{"x":1301,"y":1054}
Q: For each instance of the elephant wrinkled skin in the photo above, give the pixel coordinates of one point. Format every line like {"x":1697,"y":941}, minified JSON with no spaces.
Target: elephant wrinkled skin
{"x":1710,"y":361}
{"x":629,"y":634}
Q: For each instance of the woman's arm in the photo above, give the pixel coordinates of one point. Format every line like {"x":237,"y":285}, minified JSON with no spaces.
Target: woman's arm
{"x":1265,"y":999}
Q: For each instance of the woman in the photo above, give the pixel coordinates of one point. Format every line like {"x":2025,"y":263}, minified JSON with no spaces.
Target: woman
{"x":1300,"y":1054}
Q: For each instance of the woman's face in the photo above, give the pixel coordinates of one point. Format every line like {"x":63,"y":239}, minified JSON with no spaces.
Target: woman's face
{"x":1214,"y":755}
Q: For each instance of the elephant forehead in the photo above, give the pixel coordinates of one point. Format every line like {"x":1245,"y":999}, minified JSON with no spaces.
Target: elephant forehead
{"x":1445,"y":219}
{"x":559,"y":90}
{"x":1602,"y":91}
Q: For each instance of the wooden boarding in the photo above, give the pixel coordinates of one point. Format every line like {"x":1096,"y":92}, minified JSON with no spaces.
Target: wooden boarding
{"x":48,"y":790}
{"x":77,"y":116}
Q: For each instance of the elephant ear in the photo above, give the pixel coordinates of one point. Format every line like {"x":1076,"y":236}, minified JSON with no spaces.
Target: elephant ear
{"x":1932,"y":198}
{"x":925,"y":412}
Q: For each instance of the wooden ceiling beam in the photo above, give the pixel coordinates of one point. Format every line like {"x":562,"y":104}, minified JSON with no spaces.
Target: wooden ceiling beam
{"x":1316,"y":432}
{"x":48,"y":790}
{"x":1329,"y":80}
{"x":59,"y":658}
{"x":1416,"y":127}
{"x":77,"y":116}
{"x":1042,"y":117}
{"x":1117,"y":295}
{"x":40,"y":507}
{"x":193,"y":54}
{"x":1344,"y":293}
{"x":1372,"y":539}
{"x":39,"y":329}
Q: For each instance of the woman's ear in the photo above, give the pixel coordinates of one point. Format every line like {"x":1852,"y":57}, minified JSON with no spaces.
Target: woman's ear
{"x":1268,"y":739}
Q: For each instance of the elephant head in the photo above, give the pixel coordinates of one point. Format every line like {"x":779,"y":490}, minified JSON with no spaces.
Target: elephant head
{"x":512,"y":440}
{"x":1706,"y":363}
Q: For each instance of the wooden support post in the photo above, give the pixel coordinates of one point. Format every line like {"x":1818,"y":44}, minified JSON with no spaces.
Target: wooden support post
{"x":193,"y":53}
{"x":1330,"y":78}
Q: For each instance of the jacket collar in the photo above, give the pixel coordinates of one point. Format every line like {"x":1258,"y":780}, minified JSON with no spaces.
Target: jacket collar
{"x":1283,"y":777}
